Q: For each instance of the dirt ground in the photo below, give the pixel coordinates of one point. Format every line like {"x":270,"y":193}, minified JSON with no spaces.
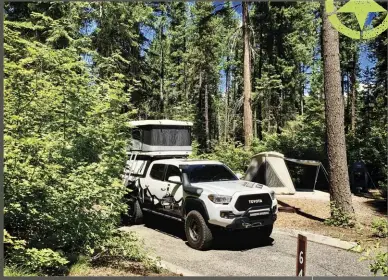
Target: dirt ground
{"x":124,"y":269}
{"x":313,"y":210}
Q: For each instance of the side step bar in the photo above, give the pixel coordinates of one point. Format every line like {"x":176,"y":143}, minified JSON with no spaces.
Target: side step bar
{"x":164,"y":215}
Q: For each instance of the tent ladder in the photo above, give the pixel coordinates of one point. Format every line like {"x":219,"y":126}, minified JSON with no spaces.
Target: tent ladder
{"x":128,"y":169}
{"x":133,"y":162}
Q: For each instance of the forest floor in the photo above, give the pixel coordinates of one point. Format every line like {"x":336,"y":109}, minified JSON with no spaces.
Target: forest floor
{"x":313,"y":211}
{"x":121,"y":269}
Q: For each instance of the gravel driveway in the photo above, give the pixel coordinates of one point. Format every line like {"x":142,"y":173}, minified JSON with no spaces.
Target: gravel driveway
{"x":235,"y":255}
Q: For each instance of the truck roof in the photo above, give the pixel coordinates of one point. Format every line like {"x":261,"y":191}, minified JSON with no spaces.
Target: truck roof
{"x":178,"y":161}
{"x":160,"y":122}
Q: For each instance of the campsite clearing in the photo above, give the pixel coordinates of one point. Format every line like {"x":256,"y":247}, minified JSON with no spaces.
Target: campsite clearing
{"x":313,"y":209}
{"x":124,"y":268}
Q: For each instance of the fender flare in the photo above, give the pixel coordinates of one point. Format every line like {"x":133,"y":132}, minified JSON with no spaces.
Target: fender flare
{"x":199,"y":205}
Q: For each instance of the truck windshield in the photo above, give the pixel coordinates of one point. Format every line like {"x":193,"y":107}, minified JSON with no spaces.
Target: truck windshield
{"x":209,"y":173}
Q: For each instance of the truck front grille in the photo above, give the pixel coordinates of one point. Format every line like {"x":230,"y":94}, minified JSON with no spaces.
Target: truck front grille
{"x":245,"y":202}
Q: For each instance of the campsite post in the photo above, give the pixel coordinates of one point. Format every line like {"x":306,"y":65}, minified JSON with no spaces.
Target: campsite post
{"x":301,"y":255}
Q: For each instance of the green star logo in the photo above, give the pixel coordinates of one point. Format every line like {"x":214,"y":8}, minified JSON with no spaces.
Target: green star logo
{"x":361,"y":9}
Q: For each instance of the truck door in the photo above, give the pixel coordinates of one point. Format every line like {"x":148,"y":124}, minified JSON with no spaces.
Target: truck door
{"x":155,"y":181}
{"x":174,"y":189}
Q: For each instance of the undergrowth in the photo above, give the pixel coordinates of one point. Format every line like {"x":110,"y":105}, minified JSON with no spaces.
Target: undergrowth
{"x":380,"y":227}
{"x":378,"y":259}
{"x":339,"y":218}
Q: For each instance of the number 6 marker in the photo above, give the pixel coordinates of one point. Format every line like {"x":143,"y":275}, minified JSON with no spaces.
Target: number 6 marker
{"x":301,"y":255}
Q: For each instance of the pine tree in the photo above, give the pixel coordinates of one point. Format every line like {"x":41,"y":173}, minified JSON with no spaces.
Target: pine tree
{"x":349,"y":56}
{"x":248,"y":134}
{"x":336,"y":148}
{"x":119,"y":40}
{"x":204,"y":59}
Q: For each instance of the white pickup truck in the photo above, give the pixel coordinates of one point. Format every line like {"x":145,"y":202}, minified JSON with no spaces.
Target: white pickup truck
{"x":204,"y":195}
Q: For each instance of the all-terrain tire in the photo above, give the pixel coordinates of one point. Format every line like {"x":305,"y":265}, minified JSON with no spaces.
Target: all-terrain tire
{"x":134,"y":212}
{"x":198,"y":234}
{"x":265,"y":231}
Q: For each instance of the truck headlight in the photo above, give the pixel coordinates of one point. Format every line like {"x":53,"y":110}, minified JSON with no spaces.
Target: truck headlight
{"x":220,"y":199}
{"x":272,"y":194}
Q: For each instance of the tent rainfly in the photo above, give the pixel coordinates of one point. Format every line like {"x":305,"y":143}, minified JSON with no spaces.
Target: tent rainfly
{"x":269,"y":168}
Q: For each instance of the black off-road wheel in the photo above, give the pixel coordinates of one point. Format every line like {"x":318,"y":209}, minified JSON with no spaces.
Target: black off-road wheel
{"x":198,"y":234}
{"x":265,"y":231}
{"x":135,"y":214}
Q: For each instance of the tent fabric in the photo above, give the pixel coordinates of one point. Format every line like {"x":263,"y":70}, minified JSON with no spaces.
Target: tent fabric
{"x":166,"y":136}
{"x":282,"y":177}
{"x":304,"y":162}
{"x":159,"y":122}
{"x":272,"y":179}
{"x":268,"y":154}
{"x":270,"y":169}
{"x":153,"y":138}
{"x":318,"y":164}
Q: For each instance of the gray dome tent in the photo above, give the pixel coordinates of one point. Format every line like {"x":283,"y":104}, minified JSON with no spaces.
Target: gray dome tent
{"x":269,"y":168}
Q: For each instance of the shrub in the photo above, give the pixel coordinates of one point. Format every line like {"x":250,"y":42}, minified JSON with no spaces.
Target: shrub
{"x":383,"y":189}
{"x":339,"y":218}
{"x":378,"y":260}
{"x":124,"y":246}
{"x":380,"y":264}
{"x":64,"y":151}
{"x":22,"y":259}
{"x":14,"y":271}
{"x":81,"y":266}
{"x":232,"y":154}
{"x":380,"y":227}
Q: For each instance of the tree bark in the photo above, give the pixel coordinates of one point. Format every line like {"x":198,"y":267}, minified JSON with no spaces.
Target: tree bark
{"x":301,"y":92}
{"x":227,"y":86}
{"x":353,"y":99}
{"x":247,"y":80}
{"x":162,"y":101}
{"x":206,"y":115}
{"x":336,"y":147}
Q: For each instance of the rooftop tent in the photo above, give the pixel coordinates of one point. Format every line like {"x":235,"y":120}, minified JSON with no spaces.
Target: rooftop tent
{"x":156,"y":138}
{"x":161,"y":136}
{"x":269,"y":168}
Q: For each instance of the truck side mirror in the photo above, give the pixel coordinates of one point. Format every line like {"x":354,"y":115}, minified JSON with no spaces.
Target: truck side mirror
{"x":174,"y":179}
{"x":239,"y":176}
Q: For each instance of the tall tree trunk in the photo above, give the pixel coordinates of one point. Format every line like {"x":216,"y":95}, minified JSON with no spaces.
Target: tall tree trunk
{"x":301,"y":94}
{"x":162,"y":101}
{"x":254,"y":122}
{"x":259,"y":102}
{"x":348,"y":100}
{"x":259,"y":120}
{"x":227,"y":86}
{"x":247,"y":80}
{"x":185,"y":72}
{"x":206,"y":117}
{"x":336,"y":148}
{"x":353,"y":98}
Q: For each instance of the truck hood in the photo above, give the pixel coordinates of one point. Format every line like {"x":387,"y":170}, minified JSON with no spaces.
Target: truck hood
{"x":231,"y":187}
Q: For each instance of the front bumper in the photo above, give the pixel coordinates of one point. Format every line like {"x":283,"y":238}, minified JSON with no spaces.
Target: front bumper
{"x":247,"y":221}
